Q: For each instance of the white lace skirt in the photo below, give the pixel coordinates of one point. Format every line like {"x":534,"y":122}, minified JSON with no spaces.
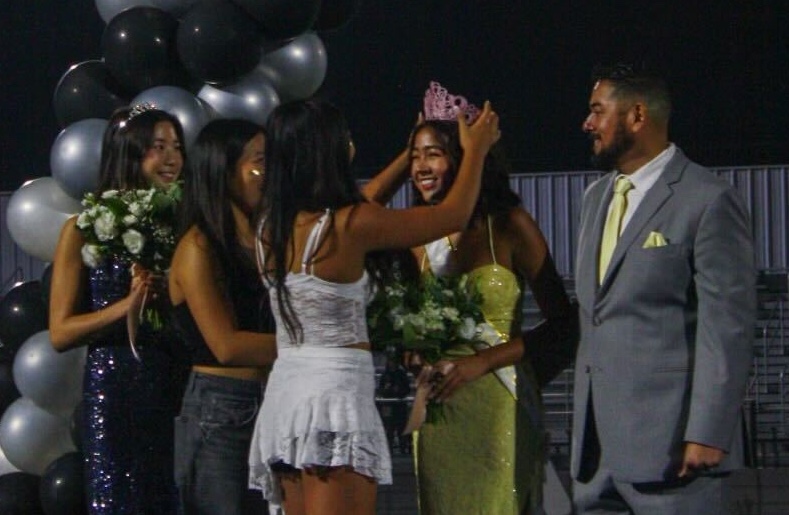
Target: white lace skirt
{"x":319,"y":410}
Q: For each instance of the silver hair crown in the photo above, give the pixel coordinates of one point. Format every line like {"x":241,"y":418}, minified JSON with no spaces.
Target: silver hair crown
{"x":139,"y":109}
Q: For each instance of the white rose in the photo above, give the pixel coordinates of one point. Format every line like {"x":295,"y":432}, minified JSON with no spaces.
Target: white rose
{"x":129,"y":220}
{"x":91,"y":255}
{"x":104,"y":226}
{"x":109,"y":194}
{"x":467,"y":328}
{"x":450,"y":313}
{"x":136,"y":209}
{"x":83,"y":220}
{"x":134,"y":241}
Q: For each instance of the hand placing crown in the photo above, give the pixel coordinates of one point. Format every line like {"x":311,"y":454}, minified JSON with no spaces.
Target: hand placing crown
{"x":439,"y":104}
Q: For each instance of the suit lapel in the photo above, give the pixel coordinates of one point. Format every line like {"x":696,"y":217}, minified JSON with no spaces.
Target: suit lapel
{"x":597,"y":210}
{"x":655,"y":198}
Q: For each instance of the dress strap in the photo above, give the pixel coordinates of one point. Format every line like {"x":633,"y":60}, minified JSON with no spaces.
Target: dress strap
{"x":490,"y":240}
{"x":312,"y":242}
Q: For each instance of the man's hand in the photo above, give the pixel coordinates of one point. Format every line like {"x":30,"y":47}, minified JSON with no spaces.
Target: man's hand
{"x":699,"y":458}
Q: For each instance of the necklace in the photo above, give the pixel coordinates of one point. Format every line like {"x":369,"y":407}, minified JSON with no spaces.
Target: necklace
{"x":452,"y":246}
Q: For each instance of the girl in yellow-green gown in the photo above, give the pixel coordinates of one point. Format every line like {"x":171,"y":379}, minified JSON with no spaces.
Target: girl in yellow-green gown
{"x":483,"y":452}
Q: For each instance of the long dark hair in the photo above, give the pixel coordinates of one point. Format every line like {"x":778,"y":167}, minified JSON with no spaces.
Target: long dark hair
{"x":496,"y":196}
{"x":206,"y":201}
{"x":308,"y":168}
{"x":124,"y":144}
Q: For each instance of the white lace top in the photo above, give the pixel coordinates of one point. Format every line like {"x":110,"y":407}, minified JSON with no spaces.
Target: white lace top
{"x":331,"y":314}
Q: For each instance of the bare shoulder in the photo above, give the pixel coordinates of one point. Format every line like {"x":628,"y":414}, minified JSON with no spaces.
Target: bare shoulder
{"x":521,"y":225}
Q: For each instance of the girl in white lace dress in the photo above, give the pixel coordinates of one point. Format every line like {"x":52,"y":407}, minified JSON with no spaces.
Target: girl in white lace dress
{"x":319,"y":446}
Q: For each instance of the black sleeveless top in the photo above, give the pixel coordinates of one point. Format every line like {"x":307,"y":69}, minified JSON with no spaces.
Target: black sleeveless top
{"x":250,"y":305}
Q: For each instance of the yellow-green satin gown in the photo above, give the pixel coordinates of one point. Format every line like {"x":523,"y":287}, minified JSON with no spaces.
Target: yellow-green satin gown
{"x":482,"y":454}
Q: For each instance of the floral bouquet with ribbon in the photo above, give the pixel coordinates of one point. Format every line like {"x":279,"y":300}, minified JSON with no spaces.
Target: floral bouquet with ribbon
{"x":135,"y":227}
{"x":428,"y":317}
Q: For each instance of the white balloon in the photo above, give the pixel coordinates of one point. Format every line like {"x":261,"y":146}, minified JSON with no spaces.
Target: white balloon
{"x":296,"y":69}
{"x":32,"y":437}
{"x":75,"y":157}
{"x":251,"y":97}
{"x":190,"y":110}
{"x":35,"y":215}
{"x":51,"y":379}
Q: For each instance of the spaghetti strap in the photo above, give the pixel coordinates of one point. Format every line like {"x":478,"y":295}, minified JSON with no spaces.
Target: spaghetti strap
{"x":490,"y":241}
{"x":312,"y":242}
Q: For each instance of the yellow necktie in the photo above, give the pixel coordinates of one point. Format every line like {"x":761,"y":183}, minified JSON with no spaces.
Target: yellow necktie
{"x":613,"y":224}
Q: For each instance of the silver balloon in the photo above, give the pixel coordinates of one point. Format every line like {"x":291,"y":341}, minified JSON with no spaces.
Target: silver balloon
{"x":251,"y":97}
{"x":6,"y":467}
{"x":109,"y":8}
{"x":189,"y":109}
{"x":51,"y":379}
{"x":32,"y":437}
{"x":296,"y":69}
{"x":75,"y":156}
{"x":36,"y":213}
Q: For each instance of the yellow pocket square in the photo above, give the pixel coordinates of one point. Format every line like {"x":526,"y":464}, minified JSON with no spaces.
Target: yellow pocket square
{"x":655,"y":239}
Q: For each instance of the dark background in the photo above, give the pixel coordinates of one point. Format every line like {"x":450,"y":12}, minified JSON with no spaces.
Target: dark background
{"x":727,"y":62}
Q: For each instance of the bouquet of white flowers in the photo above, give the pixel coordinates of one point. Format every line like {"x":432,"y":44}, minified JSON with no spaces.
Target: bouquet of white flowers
{"x":133,"y":226}
{"x":428,"y":317}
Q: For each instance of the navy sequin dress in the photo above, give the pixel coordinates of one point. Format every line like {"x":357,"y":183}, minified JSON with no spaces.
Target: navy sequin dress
{"x":129,"y":408}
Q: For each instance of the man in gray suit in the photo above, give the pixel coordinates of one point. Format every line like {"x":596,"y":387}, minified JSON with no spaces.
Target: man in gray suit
{"x":665,"y":280}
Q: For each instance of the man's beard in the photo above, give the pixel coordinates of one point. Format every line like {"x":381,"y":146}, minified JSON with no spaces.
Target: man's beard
{"x":608,"y":157}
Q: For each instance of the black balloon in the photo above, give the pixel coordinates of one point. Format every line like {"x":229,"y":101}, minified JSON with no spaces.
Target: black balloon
{"x":19,"y":494}
{"x":335,"y":14}
{"x":218,"y":41}
{"x":139,"y":48}
{"x":22,"y":314}
{"x":76,"y":424}
{"x":8,"y":390}
{"x":63,"y":485}
{"x":87,"y":90}
{"x":283,"y":19}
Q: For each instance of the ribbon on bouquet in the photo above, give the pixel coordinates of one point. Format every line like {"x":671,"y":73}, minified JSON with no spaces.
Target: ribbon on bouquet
{"x":486,"y":336}
{"x":133,"y":319}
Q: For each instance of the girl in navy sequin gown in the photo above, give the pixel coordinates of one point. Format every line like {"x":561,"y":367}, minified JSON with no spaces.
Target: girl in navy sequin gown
{"x":129,"y":404}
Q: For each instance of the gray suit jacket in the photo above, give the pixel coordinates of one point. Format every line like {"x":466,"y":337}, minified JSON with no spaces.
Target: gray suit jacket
{"x":666,"y":340}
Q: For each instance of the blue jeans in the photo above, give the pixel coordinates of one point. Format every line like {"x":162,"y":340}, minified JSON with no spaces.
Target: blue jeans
{"x":212,"y":437}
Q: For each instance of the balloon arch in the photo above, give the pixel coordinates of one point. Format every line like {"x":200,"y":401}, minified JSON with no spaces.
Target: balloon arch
{"x":197,"y":59}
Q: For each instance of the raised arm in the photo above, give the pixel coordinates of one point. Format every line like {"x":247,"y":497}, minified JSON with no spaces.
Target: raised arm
{"x":194,"y":280}
{"x":379,"y":228}
{"x":382,"y":187}
{"x":69,"y":324}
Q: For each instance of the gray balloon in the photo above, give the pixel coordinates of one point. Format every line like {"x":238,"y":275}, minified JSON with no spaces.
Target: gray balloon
{"x":51,"y":379}
{"x":190,"y":110}
{"x":75,"y":156}
{"x":6,"y":467}
{"x":36,"y":213}
{"x":251,"y":97}
{"x":296,"y":69}
{"x":32,"y":437}
{"x":109,"y":8}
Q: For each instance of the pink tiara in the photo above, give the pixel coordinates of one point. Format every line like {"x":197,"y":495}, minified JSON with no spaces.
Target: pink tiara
{"x":440,"y":105}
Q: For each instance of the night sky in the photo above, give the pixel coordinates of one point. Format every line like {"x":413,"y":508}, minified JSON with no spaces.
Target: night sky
{"x":727,"y":62}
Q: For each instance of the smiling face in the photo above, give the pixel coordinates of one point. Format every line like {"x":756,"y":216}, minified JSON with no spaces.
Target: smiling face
{"x":164,"y":159}
{"x":430,"y":164}
{"x":245,"y":187}
{"x":607,"y":127}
